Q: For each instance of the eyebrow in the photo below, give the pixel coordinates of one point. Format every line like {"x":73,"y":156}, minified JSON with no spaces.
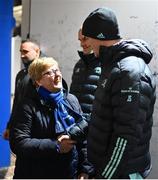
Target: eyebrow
{"x":51,"y":71}
{"x":24,"y":50}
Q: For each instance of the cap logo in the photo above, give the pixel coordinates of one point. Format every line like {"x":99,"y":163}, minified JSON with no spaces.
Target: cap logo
{"x":101,"y":36}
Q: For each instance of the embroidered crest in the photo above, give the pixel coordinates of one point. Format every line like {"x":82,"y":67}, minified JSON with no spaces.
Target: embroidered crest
{"x":98,"y":70}
{"x":101,"y":36}
{"x":104,"y":83}
{"x":77,"y":70}
{"x":130,"y":93}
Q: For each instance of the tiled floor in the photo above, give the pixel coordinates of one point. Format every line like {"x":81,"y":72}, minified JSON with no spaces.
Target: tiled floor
{"x":7,"y":173}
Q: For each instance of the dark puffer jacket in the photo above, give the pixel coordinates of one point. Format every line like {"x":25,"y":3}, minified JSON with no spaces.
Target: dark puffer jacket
{"x":121,"y":124}
{"x":85,"y":80}
{"x":33,"y":140}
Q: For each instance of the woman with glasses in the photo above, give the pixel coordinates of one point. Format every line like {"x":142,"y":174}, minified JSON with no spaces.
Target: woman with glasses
{"x":48,"y":132}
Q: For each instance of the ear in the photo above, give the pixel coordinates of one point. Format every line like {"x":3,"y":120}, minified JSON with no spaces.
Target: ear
{"x":38,"y":82}
{"x":38,"y":52}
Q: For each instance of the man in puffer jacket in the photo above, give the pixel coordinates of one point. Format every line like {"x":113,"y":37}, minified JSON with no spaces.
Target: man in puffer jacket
{"x":121,"y":125}
{"x":85,"y":76}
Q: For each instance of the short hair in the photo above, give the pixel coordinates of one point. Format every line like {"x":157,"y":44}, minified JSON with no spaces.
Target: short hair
{"x":33,"y":43}
{"x":39,"y":65}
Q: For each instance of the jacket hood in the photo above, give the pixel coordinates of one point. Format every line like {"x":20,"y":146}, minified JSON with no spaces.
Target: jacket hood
{"x":125,"y":48}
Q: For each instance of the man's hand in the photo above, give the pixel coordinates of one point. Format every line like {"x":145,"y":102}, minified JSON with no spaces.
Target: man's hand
{"x":6,"y":134}
{"x":83,"y":176}
{"x":65,"y":143}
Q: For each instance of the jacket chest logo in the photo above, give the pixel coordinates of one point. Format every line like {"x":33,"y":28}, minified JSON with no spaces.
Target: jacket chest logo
{"x":130,"y":93}
{"x":104,"y":83}
{"x":129,"y":90}
{"x":77,"y":70}
{"x":97,"y":70}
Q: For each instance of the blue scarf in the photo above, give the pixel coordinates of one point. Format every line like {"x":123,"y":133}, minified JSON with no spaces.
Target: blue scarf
{"x":64,"y":115}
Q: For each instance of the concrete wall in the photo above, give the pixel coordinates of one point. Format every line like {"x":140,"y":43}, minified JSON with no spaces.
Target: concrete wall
{"x":26,"y":14}
{"x":15,"y":61}
{"x":54,"y":25}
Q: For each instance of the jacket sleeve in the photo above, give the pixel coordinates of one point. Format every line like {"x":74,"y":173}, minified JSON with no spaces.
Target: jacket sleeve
{"x":21,"y":139}
{"x":79,"y":130}
{"x":126,"y":97}
{"x":84,"y":166}
{"x":15,"y":101}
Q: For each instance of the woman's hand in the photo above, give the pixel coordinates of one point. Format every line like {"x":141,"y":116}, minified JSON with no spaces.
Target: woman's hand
{"x":65,"y":143}
{"x":83,"y":176}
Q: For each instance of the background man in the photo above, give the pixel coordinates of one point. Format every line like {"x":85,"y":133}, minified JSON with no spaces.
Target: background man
{"x":84,"y":82}
{"x":85,"y":76}
{"x":29,"y":51}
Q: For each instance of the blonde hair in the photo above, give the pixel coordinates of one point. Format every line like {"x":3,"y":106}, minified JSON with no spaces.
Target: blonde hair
{"x":39,"y":65}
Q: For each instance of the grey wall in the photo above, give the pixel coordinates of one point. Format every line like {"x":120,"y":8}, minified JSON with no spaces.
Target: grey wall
{"x":15,"y":61}
{"x":54,"y":25}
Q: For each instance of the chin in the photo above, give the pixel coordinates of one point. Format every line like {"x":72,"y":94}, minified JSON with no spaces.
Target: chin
{"x":58,"y":87}
{"x":86,"y":51}
{"x":55,"y":90}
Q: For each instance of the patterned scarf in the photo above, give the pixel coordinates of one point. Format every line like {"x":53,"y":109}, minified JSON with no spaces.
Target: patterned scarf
{"x":64,"y":115}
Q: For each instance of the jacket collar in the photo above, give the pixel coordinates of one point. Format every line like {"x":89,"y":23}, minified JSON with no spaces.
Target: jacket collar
{"x":87,"y":58}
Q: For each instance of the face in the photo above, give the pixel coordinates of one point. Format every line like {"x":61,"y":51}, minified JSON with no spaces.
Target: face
{"x":51,"y":79}
{"x":83,"y":43}
{"x":28,"y":52}
{"x":94,"y":43}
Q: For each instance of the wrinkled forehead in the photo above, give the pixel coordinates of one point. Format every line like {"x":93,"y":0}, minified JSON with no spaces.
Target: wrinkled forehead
{"x":27,"y":46}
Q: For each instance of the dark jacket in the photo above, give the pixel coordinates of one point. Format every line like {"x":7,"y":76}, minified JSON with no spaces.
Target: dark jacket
{"x":21,"y":87}
{"x":21,"y":83}
{"x":85,"y":80}
{"x":121,"y":124}
{"x":33,"y":140}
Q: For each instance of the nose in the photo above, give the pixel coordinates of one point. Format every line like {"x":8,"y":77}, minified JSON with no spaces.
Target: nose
{"x":57,"y":72}
{"x":22,"y":56}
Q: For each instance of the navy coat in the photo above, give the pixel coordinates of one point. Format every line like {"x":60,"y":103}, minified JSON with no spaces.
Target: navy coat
{"x":33,"y":140}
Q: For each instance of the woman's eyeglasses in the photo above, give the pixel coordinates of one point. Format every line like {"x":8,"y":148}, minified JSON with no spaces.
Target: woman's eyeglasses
{"x":51,"y":72}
